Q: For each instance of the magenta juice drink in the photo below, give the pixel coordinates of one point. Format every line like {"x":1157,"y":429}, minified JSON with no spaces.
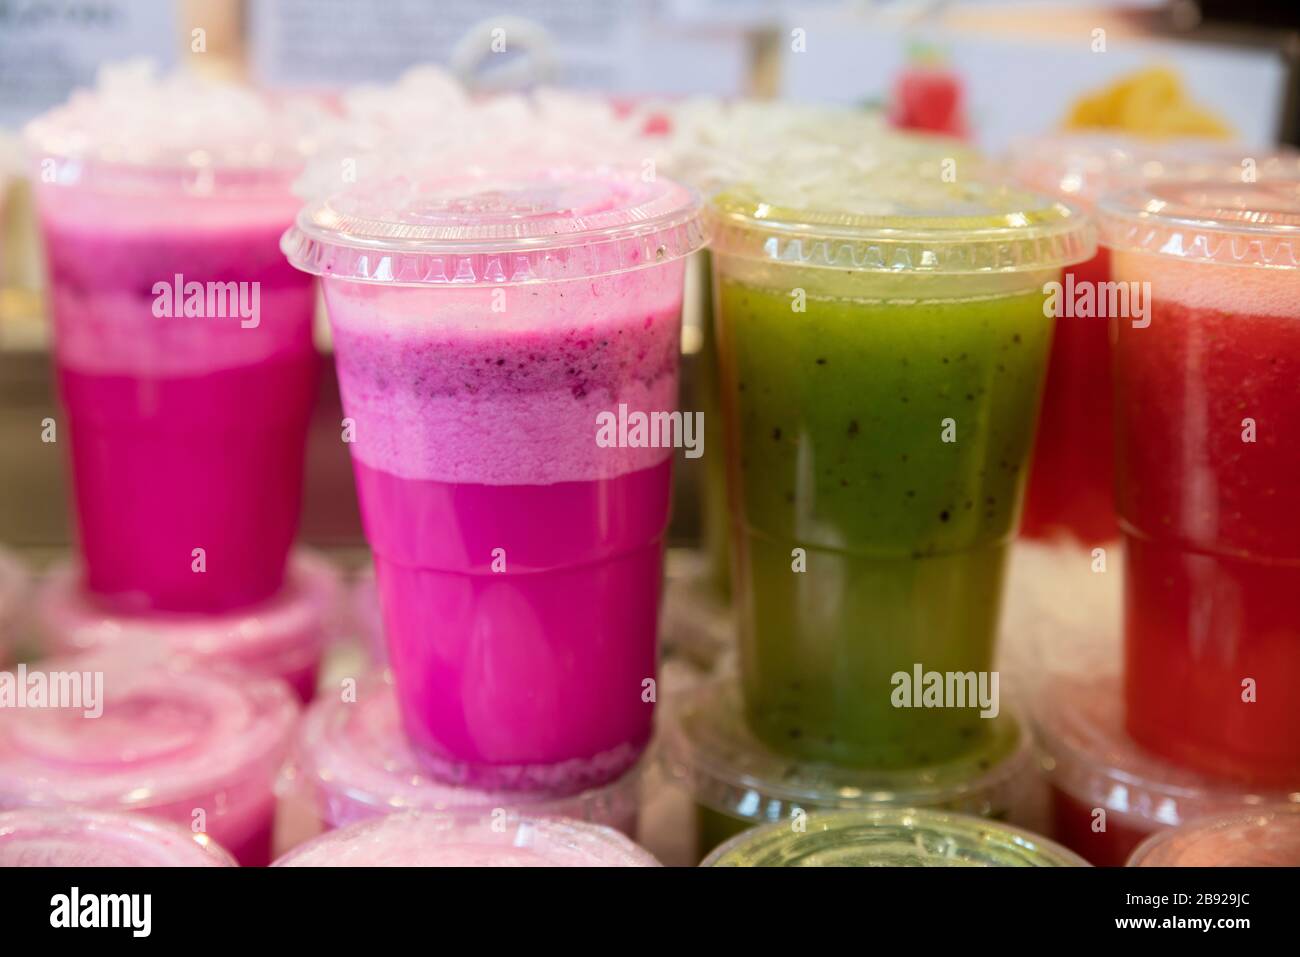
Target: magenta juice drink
{"x":182,"y":343}
{"x":517,"y":543}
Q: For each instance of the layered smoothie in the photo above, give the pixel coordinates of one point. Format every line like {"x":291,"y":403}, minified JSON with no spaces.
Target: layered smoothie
{"x":186,"y":432}
{"x":1208,"y":452}
{"x":879,"y":425}
{"x":517,"y":547}
{"x":182,"y":339}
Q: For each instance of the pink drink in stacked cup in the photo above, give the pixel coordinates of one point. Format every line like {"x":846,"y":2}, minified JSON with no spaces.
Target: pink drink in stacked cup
{"x":186,"y":415}
{"x":482,"y":324}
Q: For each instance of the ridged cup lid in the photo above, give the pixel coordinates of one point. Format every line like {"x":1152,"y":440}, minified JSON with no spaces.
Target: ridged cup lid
{"x":1231,"y":224}
{"x":1078,"y":721}
{"x":483,"y":226}
{"x":419,"y":839}
{"x":1087,"y":166}
{"x":166,"y":734}
{"x":891,"y":837}
{"x":79,"y":837}
{"x":707,"y":746}
{"x":897,"y":217}
{"x":1268,"y":837}
{"x":352,"y":758}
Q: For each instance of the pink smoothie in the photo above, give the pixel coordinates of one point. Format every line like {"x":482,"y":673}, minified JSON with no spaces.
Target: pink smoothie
{"x":417,"y":839}
{"x":518,"y":562}
{"x":282,"y":637}
{"x":352,"y":762}
{"x":196,"y":748}
{"x":185,"y":432}
{"x":484,"y":324}
{"x":79,"y":837}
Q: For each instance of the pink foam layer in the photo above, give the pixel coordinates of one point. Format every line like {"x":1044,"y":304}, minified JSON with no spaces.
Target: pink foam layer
{"x":1200,"y":285}
{"x":443,"y":386}
{"x":117,"y":334}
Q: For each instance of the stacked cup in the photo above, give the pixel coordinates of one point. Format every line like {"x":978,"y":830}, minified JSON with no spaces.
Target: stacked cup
{"x":882,"y":342}
{"x":1201,"y":244}
{"x":500,"y":327}
{"x":187,"y":371}
{"x":186,"y":368}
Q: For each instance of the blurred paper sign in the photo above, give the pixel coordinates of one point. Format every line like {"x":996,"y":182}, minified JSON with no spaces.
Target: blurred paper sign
{"x":49,"y":47}
{"x":615,"y":47}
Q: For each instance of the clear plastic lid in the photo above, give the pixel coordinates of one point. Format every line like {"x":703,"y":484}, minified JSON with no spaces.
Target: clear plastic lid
{"x":891,"y":837}
{"x":418,"y":839}
{"x":1232,"y":224}
{"x":152,"y":734}
{"x":1268,"y":837}
{"x":894,"y":216}
{"x":290,"y":627}
{"x":1084,"y":167}
{"x":353,"y":760}
{"x":141,"y":131}
{"x":1078,"y":720}
{"x":485,"y":226}
{"x":707,"y":746}
{"x":79,"y":837}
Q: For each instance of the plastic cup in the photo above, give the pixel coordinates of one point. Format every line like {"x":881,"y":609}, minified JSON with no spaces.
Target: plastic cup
{"x":1268,"y":837}
{"x":891,"y":837}
{"x":78,"y":837}
{"x":1108,"y":794}
{"x":182,"y":339}
{"x":736,"y":782}
{"x":13,"y":591}
{"x":1207,"y":454}
{"x":1071,"y":481}
{"x":483,"y":324}
{"x":352,"y":763}
{"x":416,"y":839}
{"x":883,"y":339}
{"x":193,"y":747}
{"x":282,"y":637}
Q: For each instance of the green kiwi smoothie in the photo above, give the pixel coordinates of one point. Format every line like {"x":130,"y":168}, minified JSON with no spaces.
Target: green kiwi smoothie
{"x":879,"y":422}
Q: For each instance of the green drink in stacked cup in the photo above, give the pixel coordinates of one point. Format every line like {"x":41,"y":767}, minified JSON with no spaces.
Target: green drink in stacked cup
{"x":883,"y":333}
